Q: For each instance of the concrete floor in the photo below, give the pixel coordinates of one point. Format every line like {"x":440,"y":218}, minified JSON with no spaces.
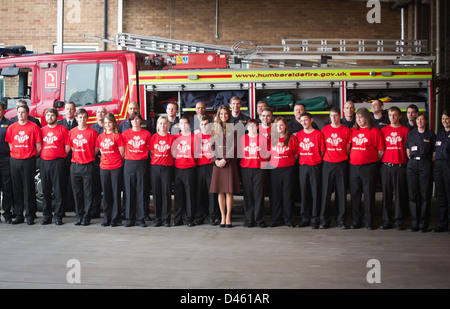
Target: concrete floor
{"x":209,"y":257}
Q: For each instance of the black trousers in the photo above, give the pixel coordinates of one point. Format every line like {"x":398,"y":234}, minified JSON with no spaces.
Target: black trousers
{"x":134,"y":174}
{"x":207,"y":203}
{"x":81,"y":177}
{"x":334,"y":179}
{"x":112,"y":202}
{"x":96,"y":188}
{"x":52,"y":173}
{"x":394,"y":186}
{"x":162,"y":177}
{"x":310,"y":178}
{"x":363,"y":181}
{"x":185,"y":194}
{"x":22,"y":175}
{"x":419,"y":176}
{"x":253,"y":182}
{"x":282,"y":181}
{"x":67,"y":193}
{"x":6,"y":186}
{"x":442,"y":182}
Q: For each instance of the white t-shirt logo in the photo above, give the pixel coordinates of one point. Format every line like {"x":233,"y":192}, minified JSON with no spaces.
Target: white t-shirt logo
{"x":136,"y":142}
{"x":334,"y":140}
{"x":22,"y":137}
{"x":360,"y":139}
{"x":252,"y":149}
{"x":162,"y":146}
{"x":394,"y":139}
{"x":50,"y":138}
{"x":106,"y":143}
{"x":80,"y":140}
{"x":306,"y":144}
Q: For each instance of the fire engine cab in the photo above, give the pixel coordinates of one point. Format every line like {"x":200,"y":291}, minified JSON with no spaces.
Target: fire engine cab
{"x":155,"y":71}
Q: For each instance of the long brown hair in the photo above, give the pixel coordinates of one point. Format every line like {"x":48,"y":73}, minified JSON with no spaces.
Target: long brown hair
{"x":366,"y":114}
{"x":274,"y":132}
{"x":112,"y":118}
{"x":218,"y":123}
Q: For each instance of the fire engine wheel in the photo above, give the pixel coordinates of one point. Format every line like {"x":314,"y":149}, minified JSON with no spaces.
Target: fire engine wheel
{"x":40,"y":192}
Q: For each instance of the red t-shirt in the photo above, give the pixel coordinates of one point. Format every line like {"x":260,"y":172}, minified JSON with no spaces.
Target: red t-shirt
{"x":204,"y":148}
{"x":23,"y":139}
{"x":336,"y":141}
{"x":253,"y":151}
{"x":109,"y":144}
{"x":183,"y":151}
{"x":365,"y":145}
{"x":83,"y":145}
{"x":283,"y":156}
{"x":160,"y":146}
{"x":54,"y":141}
{"x":137,"y":144}
{"x":311,"y":145}
{"x":395,"y":141}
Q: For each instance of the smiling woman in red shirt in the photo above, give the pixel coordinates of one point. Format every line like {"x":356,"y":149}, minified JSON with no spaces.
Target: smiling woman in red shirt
{"x":137,"y":142}
{"x":162,"y":171}
{"x":366,"y":150}
{"x":284,"y":153}
{"x":112,"y":148}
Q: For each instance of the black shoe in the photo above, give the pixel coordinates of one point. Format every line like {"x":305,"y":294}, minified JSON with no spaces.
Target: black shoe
{"x":249,"y":225}
{"x":212,"y":222}
{"x":323,"y":226}
{"x":303,"y":224}
{"x":314,"y":226}
{"x":167,"y":224}
{"x":8,"y":220}
{"x":105,"y":224}
{"x":423,"y":230}
{"x":45,"y":221}
{"x":355,"y":226}
{"x":30,"y":221}
{"x":414,"y":229}
{"x":262,"y":225}
{"x":114,"y":224}
{"x":59,"y":222}
{"x":386,"y":227}
{"x":399,"y":227}
{"x":292,"y":225}
{"x":85,"y":222}
{"x":129,"y":223}
{"x":177,"y":223}
{"x":78,"y":222}
{"x":342,"y":226}
{"x":17,"y":221}
{"x":439,"y":229}
{"x":141,"y":223}
{"x":190,"y":224}
{"x":369,"y":227}
{"x":222,"y":225}
{"x":229,"y":225}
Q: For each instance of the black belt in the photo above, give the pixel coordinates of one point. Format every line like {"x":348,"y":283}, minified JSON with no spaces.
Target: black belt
{"x":392,"y":164}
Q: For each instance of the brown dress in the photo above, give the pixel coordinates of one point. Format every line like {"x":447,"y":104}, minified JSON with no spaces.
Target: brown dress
{"x":225,"y":179}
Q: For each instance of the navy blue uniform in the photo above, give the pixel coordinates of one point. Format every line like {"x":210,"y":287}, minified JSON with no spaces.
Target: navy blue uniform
{"x":96,"y":183}
{"x":241,"y":118}
{"x":442,"y":177}
{"x":381,"y":122}
{"x":419,"y":176}
{"x":5,"y":172}
{"x":348,"y":124}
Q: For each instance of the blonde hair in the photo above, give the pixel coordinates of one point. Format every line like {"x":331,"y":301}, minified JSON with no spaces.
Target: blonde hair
{"x":112,"y":118}
{"x":159,"y":119}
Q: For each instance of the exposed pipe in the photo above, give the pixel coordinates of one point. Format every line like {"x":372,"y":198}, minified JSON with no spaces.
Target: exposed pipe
{"x":217,"y":19}
{"x":438,"y":60}
{"x":402,"y":18}
{"x":105,"y":22}
{"x":119,"y":19}
{"x":60,"y":27}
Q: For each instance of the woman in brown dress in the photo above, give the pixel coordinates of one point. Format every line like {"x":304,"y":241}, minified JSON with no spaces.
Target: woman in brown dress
{"x":225,"y":176}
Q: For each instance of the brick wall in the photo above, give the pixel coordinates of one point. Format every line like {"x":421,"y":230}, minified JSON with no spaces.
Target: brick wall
{"x":263,"y":22}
